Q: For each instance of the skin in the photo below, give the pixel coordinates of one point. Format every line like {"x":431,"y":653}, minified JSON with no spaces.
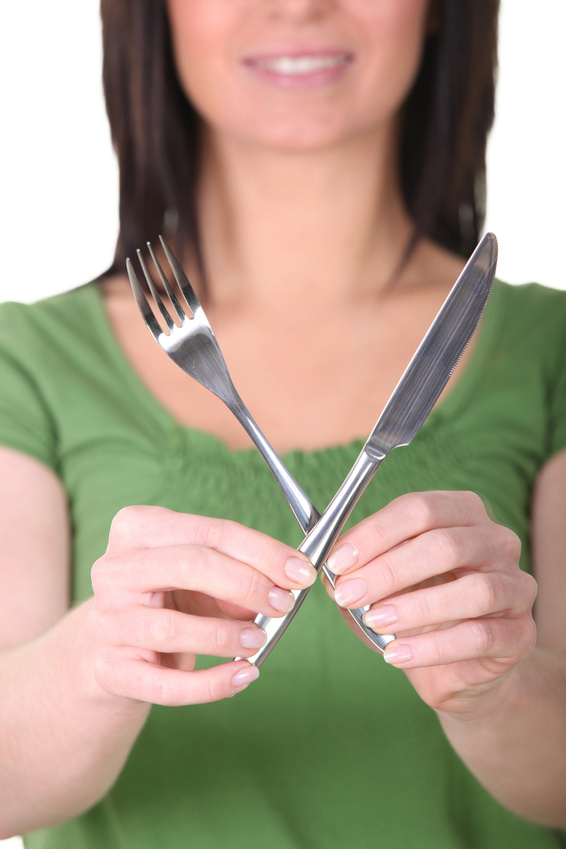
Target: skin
{"x":171,"y":586}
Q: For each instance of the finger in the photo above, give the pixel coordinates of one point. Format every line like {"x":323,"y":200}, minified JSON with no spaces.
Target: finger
{"x":442,"y":551}
{"x":169,"y":631}
{"x":157,"y":527}
{"x":471,"y":596}
{"x":147,"y":682}
{"x":192,"y":568}
{"x":496,"y":639}
{"x":403,"y":519}
{"x":200,"y":604}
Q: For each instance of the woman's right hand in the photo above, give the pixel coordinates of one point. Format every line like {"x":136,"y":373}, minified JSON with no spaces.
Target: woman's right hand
{"x":172,"y":586}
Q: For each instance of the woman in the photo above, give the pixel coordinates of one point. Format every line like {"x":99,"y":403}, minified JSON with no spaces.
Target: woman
{"x":319,"y":165}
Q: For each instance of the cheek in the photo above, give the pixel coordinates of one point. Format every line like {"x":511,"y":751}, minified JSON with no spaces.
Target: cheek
{"x":199,"y":19}
{"x":198,"y":29}
{"x":394,"y":29}
{"x":395,"y":35}
{"x":391,"y":14}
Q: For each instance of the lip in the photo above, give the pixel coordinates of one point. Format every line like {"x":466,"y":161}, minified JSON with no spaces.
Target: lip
{"x":295,"y":67}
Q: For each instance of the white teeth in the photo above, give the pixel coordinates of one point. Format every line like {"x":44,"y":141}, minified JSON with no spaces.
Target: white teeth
{"x":297,"y":65}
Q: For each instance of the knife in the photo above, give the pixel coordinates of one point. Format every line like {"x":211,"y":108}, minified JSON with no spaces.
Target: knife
{"x":406,"y":411}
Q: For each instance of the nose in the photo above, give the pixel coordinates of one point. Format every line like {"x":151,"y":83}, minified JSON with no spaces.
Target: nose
{"x":298,"y":10}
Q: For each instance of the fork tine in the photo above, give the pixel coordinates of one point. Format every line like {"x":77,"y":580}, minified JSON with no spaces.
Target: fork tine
{"x":167,"y":286}
{"x":156,"y":296}
{"x":181,"y":278}
{"x":142,"y":302}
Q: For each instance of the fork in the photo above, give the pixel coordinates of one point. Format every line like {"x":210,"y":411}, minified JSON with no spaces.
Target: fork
{"x":192,"y":345}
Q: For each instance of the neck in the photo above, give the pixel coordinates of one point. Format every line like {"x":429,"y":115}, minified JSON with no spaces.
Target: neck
{"x":282,"y":227}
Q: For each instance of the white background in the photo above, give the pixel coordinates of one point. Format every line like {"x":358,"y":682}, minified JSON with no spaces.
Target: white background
{"x":58,"y":178}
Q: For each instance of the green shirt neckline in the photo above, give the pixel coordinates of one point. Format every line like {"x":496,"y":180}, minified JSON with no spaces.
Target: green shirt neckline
{"x":456,"y":400}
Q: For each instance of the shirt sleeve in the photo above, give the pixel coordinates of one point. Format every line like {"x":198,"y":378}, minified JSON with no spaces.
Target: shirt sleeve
{"x":25,"y":420}
{"x":557,"y":382}
{"x":557,"y":435}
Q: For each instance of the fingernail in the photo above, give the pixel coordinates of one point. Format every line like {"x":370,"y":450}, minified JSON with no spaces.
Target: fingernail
{"x":350,"y":592}
{"x":397,"y":654}
{"x":343,"y":558}
{"x":245,"y":676}
{"x":381,"y":616}
{"x":253,"y":638}
{"x":300,"y":571}
{"x":281,"y":600}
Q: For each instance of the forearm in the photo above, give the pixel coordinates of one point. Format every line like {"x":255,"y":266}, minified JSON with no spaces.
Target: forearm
{"x":516,"y":744}
{"x":63,"y":739}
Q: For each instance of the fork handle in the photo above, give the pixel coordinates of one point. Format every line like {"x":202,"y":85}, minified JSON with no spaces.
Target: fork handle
{"x":305,"y":512}
{"x":317,"y":545}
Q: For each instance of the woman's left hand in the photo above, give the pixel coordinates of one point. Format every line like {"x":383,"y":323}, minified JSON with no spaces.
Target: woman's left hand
{"x":445,"y":578}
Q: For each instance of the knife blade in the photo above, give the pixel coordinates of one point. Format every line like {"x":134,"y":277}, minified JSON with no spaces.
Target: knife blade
{"x":404,"y":414}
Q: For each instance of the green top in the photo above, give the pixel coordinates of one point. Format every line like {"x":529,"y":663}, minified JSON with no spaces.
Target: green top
{"x":331,"y":747}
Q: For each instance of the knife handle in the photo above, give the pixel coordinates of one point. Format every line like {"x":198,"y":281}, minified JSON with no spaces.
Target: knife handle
{"x":380,"y":641}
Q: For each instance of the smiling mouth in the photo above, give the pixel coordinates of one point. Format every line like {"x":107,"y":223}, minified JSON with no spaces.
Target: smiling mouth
{"x":297,"y":66}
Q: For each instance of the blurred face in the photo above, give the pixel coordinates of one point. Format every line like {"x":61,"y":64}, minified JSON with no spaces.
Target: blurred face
{"x":297,"y":74}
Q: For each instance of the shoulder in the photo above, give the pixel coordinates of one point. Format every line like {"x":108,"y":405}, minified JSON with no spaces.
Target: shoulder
{"x":49,"y":351}
{"x":530,"y":326}
{"x":529,"y":316}
{"x":53,"y":310}
{"x":42,"y":328}
{"x":531,"y":299}
{"x":42,"y":344}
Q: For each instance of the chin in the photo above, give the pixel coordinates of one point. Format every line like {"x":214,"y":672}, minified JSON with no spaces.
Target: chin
{"x":293,"y":135}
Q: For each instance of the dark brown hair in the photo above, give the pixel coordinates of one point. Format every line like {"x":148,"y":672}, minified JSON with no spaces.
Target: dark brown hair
{"x":155,"y":130}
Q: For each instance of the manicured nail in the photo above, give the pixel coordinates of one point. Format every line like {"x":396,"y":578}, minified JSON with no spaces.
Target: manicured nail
{"x":300,"y":571}
{"x":381,"y":616}
{"x":253,"y":638}
{"x":281,"y":600}
{"x":245,"y":676}
{"x":350,"y":592}
{"x":343,"y":558}
{"x":397,"y":654}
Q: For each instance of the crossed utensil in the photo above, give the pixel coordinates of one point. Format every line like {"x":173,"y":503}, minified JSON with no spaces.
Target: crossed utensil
{"x":188,"y":339}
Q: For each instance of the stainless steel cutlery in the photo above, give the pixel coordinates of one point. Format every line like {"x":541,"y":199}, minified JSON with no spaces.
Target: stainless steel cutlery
{"x":190,"y":342}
